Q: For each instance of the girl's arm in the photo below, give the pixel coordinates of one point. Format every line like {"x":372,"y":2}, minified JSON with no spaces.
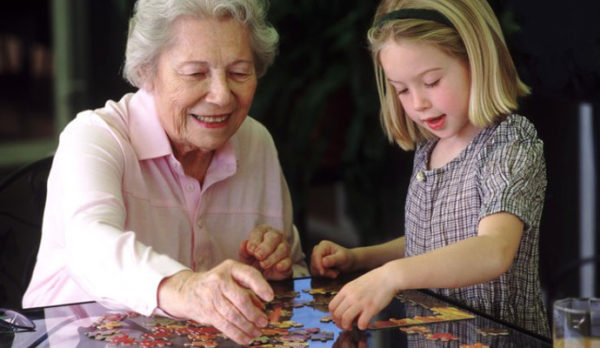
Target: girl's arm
{"x":329,"y":259}
{"x":370,"y":257}
{"x":471,"y":261}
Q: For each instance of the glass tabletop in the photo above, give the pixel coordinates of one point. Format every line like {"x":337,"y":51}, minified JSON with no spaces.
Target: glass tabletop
{"x":438,"y":323}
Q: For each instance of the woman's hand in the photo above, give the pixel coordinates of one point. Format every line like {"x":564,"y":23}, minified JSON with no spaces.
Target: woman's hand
{"x":351,"y":339}
{"x":361,"y":299}
{"x":329,"y":259}
{"x":268,"y":251}
{"x":224,"y":297}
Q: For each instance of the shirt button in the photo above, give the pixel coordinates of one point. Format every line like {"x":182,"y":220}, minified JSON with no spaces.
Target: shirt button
{"x":190,"y":187}
{"x":421,"y":176}
{"x":199,"y":223}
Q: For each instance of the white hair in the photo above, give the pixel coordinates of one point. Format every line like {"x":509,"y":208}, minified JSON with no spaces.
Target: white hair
{"x":150,"y":31}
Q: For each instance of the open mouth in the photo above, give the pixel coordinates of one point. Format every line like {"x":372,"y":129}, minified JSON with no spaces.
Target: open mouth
{"x":436,"y":122}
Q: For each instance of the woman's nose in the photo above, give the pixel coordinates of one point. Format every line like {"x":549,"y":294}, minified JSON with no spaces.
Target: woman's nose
{"x":219,"y":91}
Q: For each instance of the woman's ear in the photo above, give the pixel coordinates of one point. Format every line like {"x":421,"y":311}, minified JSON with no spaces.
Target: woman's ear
{"x":147,"y":78}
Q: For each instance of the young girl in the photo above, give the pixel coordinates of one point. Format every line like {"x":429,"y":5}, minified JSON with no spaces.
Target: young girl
{"x":448,"y":87}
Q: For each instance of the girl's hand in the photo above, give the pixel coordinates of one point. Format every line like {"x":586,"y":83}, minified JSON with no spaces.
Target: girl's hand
{"x":329,"y":259}
{"x":361,"y":299}
{"x":268,"y":251}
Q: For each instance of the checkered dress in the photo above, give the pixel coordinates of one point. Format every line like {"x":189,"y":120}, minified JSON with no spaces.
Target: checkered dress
{"x":501,"y":170}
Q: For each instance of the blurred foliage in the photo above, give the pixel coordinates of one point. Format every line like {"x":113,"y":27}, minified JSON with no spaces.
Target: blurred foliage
{"x":319,"y":100}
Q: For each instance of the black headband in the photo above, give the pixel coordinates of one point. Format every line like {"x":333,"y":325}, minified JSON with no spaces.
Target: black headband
{"x":413,"y":13}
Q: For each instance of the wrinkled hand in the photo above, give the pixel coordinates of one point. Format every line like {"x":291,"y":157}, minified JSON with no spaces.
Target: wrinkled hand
{"x":351,"y":339}
{"x":329,"y":259}
{"x":268,"y":251}
{"x":224,"y":297}
{"x":361,"y":299}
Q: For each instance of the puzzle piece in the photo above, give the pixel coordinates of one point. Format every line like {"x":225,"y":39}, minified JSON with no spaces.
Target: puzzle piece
{"x":285,"y":324}
{"x":321,"y":291}
{"x":429,"y":319}
{"x":294,"y":337}
{"x":260,"y":340}
{"x":297,"y":304}
{"x":383,"y":324}
{"x":162,"y":321}
{"x":273,"y":331}
{"x":492,"y":332}
{"x":407,"y":321}
{"x":286,"y":295}
{"x":275,"y":314}
{"x":109,"y":325}
{"x":326,"y":319}
{"x":442,"y":314}
{"x":113,"y":317}
{"x":322,"y":336}
{"x":205,"y":330}
{"x":158,"y":335}
{"x":201,"y":337}
{"x":451,"y":313}
{"x":293,"y":345}
{"x":122,"y":340}
{"x":444,"y":337}
{"x":200,"y":344}
{"x":153,"y":343}
{"x":102,"y":335}
{"x":176,"y":326}
{"x":416,"y":330}
{"x":306,"y":332}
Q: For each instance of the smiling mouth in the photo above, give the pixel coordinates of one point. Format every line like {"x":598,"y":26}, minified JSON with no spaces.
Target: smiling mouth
{"x":211,"y":119}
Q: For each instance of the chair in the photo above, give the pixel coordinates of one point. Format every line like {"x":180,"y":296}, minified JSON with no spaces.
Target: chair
{"x":22,"y":199}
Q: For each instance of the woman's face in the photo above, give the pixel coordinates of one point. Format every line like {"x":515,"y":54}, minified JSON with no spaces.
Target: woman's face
{"x":204,"y":83}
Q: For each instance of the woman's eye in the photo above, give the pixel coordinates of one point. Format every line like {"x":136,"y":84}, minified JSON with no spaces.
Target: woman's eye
{"x":239,"y":75}
{"x":196,"y":74}
{"x":402,"y":91}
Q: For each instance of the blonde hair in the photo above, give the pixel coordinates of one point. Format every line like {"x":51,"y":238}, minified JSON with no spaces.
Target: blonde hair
{"x":475,"y":36}
{"x":150,"y":31}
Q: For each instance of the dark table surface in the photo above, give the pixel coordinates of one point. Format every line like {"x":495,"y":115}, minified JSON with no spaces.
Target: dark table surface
{"x":70,"y":325}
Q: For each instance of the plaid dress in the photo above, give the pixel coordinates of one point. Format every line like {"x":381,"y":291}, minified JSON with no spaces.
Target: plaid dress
{"x":501,"y":170}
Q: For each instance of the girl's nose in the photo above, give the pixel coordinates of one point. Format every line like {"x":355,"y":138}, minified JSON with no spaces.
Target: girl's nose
{"x":420,"y":101}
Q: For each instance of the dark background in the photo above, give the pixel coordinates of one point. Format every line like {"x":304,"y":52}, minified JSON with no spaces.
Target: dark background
{"x":320,"y":103}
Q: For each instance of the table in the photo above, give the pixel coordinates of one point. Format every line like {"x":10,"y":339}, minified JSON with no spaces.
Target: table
{"x":70,"y":325}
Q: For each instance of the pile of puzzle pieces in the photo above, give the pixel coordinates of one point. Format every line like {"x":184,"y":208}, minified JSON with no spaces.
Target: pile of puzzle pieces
{"x":161,"y":331}
{"x":121,"y":329}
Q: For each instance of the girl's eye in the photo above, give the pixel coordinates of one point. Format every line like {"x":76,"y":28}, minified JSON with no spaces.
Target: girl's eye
{"x":433,"y":84}
{"x":402,"y":91}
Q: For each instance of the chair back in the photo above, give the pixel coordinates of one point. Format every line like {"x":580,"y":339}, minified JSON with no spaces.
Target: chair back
{"x":22,"y":200}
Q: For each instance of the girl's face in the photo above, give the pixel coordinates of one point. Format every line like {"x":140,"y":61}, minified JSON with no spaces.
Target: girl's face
{"x":204,"y":83}
{"x":432,"y":86}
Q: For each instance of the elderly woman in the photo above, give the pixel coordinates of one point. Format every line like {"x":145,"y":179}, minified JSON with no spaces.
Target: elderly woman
{"x":152,"y":199}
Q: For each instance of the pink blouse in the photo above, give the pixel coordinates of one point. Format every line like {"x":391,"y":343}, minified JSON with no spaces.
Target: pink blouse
{"x":121,"y":214}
